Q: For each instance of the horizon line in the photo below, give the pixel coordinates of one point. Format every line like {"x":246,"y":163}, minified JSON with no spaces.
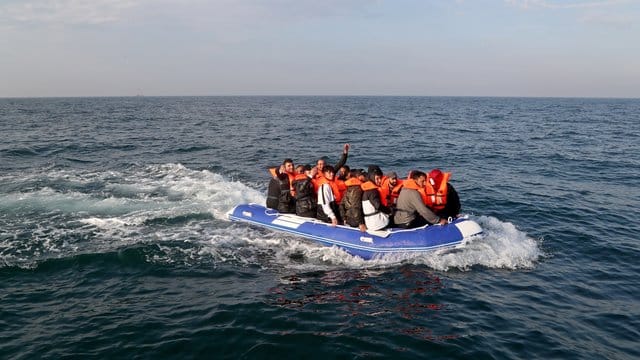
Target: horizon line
{"x":323,"y":95}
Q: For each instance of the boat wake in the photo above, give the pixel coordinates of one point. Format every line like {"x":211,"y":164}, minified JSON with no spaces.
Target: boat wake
{"x":179,"y":215}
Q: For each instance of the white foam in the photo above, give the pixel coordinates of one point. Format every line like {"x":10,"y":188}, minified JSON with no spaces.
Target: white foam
{"x":115,"y":209}
{"x":501,"y":246}
{"x":136,"y":206}
{"x":106,"y":223}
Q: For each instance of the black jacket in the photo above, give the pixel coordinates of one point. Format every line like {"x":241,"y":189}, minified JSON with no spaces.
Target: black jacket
{"x":452,"y":207}
{"x":306,"y":198}
{"x":279,"y":195}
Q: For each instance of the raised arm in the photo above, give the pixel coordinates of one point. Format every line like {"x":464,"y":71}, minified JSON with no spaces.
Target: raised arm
{"x":343,"y":159}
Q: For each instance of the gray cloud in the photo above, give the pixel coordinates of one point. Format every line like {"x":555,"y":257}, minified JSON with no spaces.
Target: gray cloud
{"x":526,"y":4}
{"x":605,"y":19}
{"x":105,"y":11}
{"x":65,"y":11}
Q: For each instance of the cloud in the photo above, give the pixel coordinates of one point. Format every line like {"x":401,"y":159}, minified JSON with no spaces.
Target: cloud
{"x":211,"y":12}
{"x":529,"y":4}
{"x":613,"y":20}
{"x":618,"y":14}
{"x":65,"y":11}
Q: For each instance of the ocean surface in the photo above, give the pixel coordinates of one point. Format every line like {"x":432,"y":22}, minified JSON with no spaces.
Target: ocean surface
{"x":114,"y":241}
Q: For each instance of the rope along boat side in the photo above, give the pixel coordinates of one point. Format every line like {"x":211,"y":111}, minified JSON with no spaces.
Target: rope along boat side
{"x":366,"y":245}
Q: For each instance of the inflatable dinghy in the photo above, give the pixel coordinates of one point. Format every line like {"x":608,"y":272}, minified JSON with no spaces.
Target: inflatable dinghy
{"x":367,"y":245}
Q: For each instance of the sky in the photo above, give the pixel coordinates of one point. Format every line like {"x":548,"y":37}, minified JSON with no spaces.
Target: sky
{"x":538,"y":48}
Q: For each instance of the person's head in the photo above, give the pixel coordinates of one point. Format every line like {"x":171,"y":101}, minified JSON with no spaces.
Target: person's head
{"x":357,"y":173}
{"x":435,"y":177}
{"x":343,"y":172}
{"x":307,"y":169}
{"x":419,"y":177}
{"x":377,"y":179}
{"x":375,"y":175}
{"x":328,"y":172}
{"x":288,"y":165}
{"x":320,"y":165}
{"x":300,"y":169}
{"x":373,"y":169}
{"x":311,"y":171}
{"x":393,"y":178}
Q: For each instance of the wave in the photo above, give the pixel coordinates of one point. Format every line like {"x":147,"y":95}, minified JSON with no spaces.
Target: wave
{"x":182,"y":213}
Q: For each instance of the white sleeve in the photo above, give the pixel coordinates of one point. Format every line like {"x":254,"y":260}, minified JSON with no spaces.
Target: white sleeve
{"x":325,"y":197}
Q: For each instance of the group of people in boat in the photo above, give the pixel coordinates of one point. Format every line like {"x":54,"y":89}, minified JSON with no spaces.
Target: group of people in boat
{"x":366,"y":200}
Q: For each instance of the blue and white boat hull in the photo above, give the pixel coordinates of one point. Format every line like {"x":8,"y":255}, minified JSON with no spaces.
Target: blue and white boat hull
{"x":368,"y":244}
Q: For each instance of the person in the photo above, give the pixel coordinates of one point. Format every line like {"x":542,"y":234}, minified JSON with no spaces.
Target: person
{"x":305,"y":196}
{"x":341,"y":187}
{"x":343,"y":173}
{"x":321,"y":163}
{"x":328,"y":210}
{"x":390,"y":189}
{"x":351,"y":205}
{"x":373,"y":169}
{"x":411,"y":212}
{"x":441,"y":196}
{"x":340,"y":178}
{"x":280,"y":193}
{"x":375,"y":214}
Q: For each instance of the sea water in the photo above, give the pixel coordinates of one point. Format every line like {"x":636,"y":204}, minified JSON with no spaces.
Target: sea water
{"x":114,"y":241}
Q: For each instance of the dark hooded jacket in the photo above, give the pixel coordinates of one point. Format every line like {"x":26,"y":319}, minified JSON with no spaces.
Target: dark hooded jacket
{"x":306,"y":198}
{"x":351,"y":205}
{"x":452,"y":207}
{"x":279,"y":195}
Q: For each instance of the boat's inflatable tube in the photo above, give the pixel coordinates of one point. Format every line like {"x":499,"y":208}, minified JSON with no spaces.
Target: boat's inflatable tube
{"x":368,"y":244}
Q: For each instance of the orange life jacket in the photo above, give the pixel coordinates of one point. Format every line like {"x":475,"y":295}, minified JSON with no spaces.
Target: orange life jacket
{"x":292,"y":176}
{"x":342,"y":188}
{"x":300,"y":177}
{"x":316,"y":180}
{"x":395,"y":192}
{"x":319,"y":175}
{"x":297,"y":177}
{"x":370,"y":185}
{"x":389,"y":197}
{"x":334,"y":187}
{"x":411,"y":184}
{"x":437,"y":193}
{"x":384,"y":191}
{"x":353,"y":181}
